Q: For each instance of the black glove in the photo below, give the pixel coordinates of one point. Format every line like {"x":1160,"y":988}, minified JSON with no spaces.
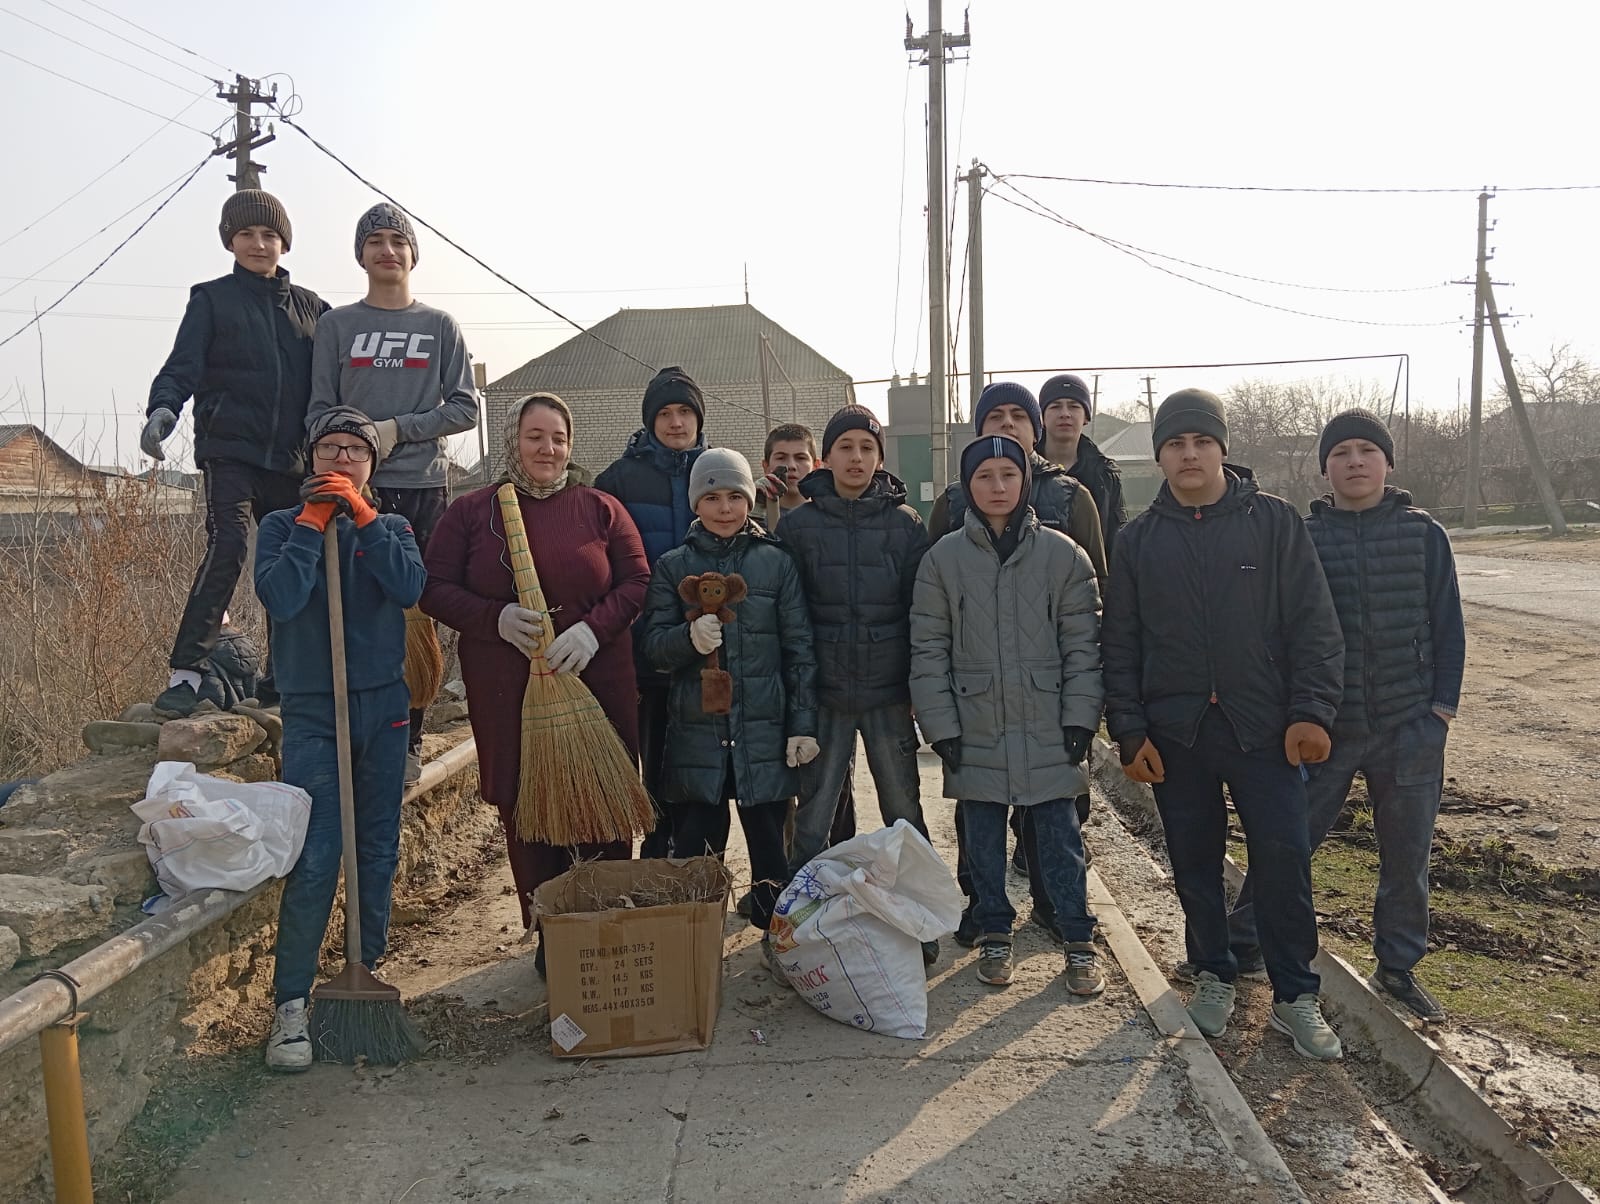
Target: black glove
{"x":949,"y":752}
{"x":1077,"y":740}
{"x":1128,"y":747}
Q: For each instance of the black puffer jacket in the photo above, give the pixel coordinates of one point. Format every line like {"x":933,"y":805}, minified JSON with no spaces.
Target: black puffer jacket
{"x":767,"y":650}
{"x":1058,"y":502}
{"x":1394,"y":585}
{"x":1102,"y":477}
{"x":1222,"y":604}
{"x":858,"y":562}
{"x":243,"y":352}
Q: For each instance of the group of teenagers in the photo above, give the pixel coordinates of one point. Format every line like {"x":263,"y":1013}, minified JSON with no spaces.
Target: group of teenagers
{"x":1225,"y":641}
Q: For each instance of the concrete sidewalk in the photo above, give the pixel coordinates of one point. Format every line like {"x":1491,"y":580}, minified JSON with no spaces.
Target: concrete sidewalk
{"x":1019,"y":1094}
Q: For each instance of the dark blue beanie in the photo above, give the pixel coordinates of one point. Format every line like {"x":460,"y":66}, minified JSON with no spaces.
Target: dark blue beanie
{"x":991,"y":447}
{"x":1066,"y":387}
{"x":1007,"y":393}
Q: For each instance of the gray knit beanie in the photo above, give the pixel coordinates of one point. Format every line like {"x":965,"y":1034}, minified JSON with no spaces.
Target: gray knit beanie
{"x":1190,"y":411}
{"x":720,"y":468}
{"x":252,"y":207}
{"x":384,"y":216}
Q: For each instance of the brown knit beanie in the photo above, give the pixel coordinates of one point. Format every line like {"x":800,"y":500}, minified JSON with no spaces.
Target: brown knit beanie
{"x":253,"y":207}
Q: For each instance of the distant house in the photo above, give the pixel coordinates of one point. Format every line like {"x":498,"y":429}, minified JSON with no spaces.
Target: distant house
{"x":1128,"y":443}
{"x":721,"y":346}
{"x":38,"y":476}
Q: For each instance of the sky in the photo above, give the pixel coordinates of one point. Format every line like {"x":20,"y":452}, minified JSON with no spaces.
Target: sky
{"x":648,"y":154}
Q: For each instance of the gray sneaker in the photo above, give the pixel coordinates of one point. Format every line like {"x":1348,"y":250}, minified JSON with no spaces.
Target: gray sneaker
{"x":289,"y":1046}
{"x":1302,"y":1021}
{"x":1211,"y":1005}
{"x":413,"y":768}
{"x":1084,"y":973}
{"x":994,"y":960}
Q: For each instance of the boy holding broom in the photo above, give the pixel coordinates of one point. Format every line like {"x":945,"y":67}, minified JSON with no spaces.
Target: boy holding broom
{"x":381,"y":575}
{"x":751,"y":753}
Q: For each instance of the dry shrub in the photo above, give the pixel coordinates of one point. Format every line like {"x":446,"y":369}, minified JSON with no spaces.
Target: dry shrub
{"x":89,"y":604}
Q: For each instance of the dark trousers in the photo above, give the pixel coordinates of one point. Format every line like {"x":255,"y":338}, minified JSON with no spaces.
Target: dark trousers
{"x":1058,"y":854}
{"x":1023,"y":829}
{"x":702,"y":828}
{"x":533,"y":863}
{"x":311,"y":762}
{"x":235,"y":493}
{"x":652,"y":762}
{"x":1270,"y":799}
{"x":1404,"y":772}
{"x":424,"y":508}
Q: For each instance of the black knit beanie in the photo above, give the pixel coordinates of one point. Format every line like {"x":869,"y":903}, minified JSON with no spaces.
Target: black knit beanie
{"x":1190,"y":411}
{"x":852,"y":418}
{"x":345,"y":420}
{"x":672,"y":386}
{"x":1354,"y":424}
{"x":1007,"y":393}
{"x":384,"y":216}
{"x":1066,"y":387}
{"x":252,"y":207}
{"x":991,"y":447}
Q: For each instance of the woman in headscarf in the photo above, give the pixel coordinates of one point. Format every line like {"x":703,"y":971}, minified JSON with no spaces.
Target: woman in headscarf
{"x":592,"y":567}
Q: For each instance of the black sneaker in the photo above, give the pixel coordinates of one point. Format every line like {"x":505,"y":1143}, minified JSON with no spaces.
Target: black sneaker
{"x":1046,"y":919}
{"x":1019,"y":860}
{"x":743,"y":905}
{"x":1251,"y":965}
{"x":538,"y":958}
{"x":176,"y":702}
{"x":930,"y":952}
{"x":967,"y":932}
{"x":1403,"y":985}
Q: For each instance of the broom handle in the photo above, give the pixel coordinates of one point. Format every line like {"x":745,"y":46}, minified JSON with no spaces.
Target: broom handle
{"x":530,"y":594}
{"x":341,"y":732}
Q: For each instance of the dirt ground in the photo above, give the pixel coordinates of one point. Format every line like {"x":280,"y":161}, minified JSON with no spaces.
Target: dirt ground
{"x":1524,"y":753}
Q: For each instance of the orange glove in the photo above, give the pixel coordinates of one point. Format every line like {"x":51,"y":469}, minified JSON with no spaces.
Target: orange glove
{"x":316,"y":515}
{"x":347,"y":497}
{"x":1144,"y":765}
{"x":1306,"y":743}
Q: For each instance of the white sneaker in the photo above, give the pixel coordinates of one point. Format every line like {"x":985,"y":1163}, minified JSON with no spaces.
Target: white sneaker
{"x":289,"y":1046}
{"x":413,"y":768}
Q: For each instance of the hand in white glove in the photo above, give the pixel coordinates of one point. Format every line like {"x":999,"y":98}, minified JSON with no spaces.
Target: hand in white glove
{"x":520,"y":627}
{"x":802,"y":750}
{"x":156,"y":428}
{"x":388,"y":436}
{"x":705,"y":633}
{"x":573,"y":649}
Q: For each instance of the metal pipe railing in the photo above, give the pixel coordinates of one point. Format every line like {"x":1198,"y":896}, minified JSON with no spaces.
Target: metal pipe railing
{"x":50,"y":1007}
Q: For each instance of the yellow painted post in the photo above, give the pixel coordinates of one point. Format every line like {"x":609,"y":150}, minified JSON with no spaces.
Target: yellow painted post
{"x":63,"y":1103}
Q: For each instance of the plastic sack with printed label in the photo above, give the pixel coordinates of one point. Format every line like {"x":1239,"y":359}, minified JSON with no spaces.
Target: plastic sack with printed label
{"x":848,"y":930}
{"x":202,"y":832}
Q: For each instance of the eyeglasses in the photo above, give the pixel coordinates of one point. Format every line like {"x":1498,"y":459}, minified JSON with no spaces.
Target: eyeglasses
{"x":356,"y":453}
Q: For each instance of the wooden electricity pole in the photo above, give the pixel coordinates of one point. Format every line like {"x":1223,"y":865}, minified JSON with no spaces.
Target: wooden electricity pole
{"x":247,"y":134}
{"x":1469,"y":514}
{"x":1536,"y":464}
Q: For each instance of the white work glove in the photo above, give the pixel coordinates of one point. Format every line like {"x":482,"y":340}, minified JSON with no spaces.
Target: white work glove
{"x":573,"y":649}
{"x":156,"y":428}
{"x":388,"y":436}
{"x":520,"y":627}
{"x":705,"y":633}
{"x":802,"y":750}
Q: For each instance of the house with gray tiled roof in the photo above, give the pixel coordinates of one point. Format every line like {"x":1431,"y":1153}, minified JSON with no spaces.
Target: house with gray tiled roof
{"x":720,"y":346}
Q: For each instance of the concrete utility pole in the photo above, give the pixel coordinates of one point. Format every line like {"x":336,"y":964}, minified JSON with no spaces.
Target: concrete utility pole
{"x":1469,"y":514}
{"x":1150,"y":399}
{"x":246,"y":132}
{"x":1536,"y":464}
{"x":935,"y":45}
{"x":974,"y":180}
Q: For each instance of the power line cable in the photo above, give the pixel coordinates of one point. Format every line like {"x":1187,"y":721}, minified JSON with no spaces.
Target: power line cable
{"x":121,"y":100}
{"x":38,"y":317}
{"x":504,"y":279}
{"x":93,"y":50}
{"x":140,"y":145}
{"x":1280,"y":188}
{"x":1038,"y":209}
{"x":21,"y":280}
{"x":124,"y":38}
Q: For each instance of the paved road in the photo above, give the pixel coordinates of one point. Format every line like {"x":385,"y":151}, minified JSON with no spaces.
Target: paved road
{"x":1568,"y":593}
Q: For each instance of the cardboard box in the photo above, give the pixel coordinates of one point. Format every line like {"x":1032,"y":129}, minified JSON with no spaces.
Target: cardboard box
{"x":633,"y":955}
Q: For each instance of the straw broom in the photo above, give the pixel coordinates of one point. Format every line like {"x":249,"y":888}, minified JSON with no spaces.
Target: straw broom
{"x":424,"y":671}
{"x":578,"y":785}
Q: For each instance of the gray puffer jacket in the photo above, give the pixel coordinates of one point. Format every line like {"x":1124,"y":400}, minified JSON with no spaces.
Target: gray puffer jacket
{"x":1004,"y":656}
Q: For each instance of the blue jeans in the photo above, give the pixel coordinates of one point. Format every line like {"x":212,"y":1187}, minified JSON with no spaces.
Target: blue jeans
{"x":1060,"y":848}
{"x":1270,"y":799}
{"x":1404,"y":770}
{"x":379,"y":727}
{"x":891,"y":742}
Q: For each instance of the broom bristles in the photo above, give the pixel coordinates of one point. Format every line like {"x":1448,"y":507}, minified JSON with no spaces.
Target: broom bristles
{"x":578,"y":785}
{"x":424,"y":671}
{"x":373,"y":1030}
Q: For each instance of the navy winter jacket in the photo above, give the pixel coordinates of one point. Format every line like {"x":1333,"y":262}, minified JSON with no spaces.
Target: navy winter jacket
{"x":652,"y":483}
{"x":380,"y":574}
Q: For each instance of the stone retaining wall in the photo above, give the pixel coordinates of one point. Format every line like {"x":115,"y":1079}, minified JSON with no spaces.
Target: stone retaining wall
{"x":72,"y":874}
